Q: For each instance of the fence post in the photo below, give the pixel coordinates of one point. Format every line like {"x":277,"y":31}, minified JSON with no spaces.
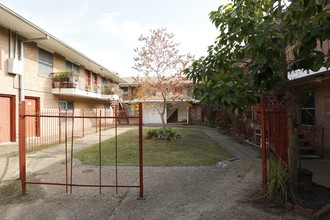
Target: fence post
{"x":59,"y":126}
{"x":83,"y":122}
{"x":96,"y":121}
{"x":22,"y":146}
{"x":141,"y":150}
{"x":263,"y":144}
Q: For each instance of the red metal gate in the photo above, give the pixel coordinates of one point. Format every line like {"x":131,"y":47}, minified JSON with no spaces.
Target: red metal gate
{"x":274,"y":134}
{"x":99,"y":120}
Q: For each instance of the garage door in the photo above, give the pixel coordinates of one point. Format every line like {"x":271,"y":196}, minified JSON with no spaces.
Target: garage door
{"x":150,"y":114}
{"x":4,"y":119}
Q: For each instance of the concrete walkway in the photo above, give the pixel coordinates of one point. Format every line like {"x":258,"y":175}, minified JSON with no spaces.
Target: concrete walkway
{"x":222,"y":191}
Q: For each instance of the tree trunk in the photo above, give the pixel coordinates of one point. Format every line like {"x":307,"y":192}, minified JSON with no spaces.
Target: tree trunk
{"x":162,"y":114}
{"x":292,"y":148}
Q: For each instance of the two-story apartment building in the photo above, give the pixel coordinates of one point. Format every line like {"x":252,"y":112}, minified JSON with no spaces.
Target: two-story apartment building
{"x":182,"y":109}
{"x":48,"y":74}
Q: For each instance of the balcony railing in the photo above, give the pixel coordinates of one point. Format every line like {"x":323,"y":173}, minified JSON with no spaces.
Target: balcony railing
{"x":72,"y":84}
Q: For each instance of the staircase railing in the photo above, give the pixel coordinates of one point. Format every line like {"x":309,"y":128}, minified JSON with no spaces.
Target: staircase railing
{"x":121,"y":111}
{"x":313,"y":133}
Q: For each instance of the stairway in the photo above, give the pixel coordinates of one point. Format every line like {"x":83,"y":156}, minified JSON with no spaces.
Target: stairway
{"x":121,"y":112}
{"x":307,"y":148}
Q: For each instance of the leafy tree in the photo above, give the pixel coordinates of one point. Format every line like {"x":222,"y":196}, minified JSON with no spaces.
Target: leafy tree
{"x":260,"y":41}
{"x":162,"y":65}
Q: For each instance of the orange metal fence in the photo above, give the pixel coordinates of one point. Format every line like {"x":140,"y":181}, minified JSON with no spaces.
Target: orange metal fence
{"x":53,"y":127}
{"x":50,"y":126}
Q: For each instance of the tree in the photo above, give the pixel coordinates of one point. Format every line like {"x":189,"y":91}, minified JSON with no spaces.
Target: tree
{"x":162,"y":65}
{"x":250,"y":55}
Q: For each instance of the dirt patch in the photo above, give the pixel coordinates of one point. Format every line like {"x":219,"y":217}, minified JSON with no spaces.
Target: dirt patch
{"x":11,"y":193}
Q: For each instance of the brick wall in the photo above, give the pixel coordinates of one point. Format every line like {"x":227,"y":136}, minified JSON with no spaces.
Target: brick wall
{"x":9,"y":83}
{"x":322,"y":108}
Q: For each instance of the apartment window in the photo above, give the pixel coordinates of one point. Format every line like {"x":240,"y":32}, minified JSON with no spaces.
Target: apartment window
{"x":104,"y":80}
{"x":66,"y":108}
{"x":45,"y":63}
{"x":125,"y":90}
{"x":308,"y":111}
{"x":71,"y":67}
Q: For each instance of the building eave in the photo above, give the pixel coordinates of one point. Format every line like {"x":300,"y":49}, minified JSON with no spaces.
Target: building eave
{"x":16,"y":23}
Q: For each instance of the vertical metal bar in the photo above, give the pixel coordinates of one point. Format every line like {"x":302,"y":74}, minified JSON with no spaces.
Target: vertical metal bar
{"x":54,"y":120}
{"x":22,"y":146}
{"x":83,"y":122}
{"x":105,"y":119}
{"x":100,"y":156}
{"x":59,"y":126}
{"x":43,"y":133}
{"x":263,"y":144}
{"x":322,"y":142}
{"x":66,"y":150}
{"x":140,"y":150}
{"x":71,"y":171}
{"x":116,"y":146}
{"x":96,"y":121}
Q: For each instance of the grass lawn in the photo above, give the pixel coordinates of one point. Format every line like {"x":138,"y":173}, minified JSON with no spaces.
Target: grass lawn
{"x":194,"y":149}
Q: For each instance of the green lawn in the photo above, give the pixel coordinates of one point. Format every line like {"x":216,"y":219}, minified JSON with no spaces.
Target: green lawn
{"x":194,"y":149}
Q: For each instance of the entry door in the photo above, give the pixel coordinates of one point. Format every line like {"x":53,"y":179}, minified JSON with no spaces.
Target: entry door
{"x":87,"y":80}
{"x":31,"y":122}
{"x":4,"y":119}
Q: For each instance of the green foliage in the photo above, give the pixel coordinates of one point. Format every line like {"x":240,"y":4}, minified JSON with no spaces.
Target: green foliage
{"x":307,"y":24}
{"x":277,"y":191}
{"x":62,"y":76}
{"x":169,"y":134}
{"x":250,"y":54}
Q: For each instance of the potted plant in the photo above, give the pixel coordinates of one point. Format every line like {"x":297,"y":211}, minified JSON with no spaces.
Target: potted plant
{"x":106,"y":89}
{"x":61,"y":79}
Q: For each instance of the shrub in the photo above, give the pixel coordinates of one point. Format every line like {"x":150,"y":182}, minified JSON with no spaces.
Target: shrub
{"x":170,"y":134}
{"x":277,"y":191}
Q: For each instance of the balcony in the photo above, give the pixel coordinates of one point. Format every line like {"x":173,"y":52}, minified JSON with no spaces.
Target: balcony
{"x":72,"y":84}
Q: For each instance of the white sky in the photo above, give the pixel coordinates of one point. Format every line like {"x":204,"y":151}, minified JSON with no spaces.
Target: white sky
{"x":107,"y":31}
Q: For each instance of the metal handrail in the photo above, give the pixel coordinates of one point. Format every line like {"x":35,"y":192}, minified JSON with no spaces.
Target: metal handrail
{"x":318,"y":131}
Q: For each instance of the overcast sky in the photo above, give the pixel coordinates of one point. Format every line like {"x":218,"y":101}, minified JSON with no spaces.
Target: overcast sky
{"x":107,"y":31}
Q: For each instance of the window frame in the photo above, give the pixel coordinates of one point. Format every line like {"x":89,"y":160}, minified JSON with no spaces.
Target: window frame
{"x":72,"y":67}
{"x":44,"y":62}
{"x":307,"y":111}
{"x":66,"y":111}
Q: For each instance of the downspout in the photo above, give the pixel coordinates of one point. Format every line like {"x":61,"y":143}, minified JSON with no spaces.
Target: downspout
{"x":10,"y":36}
{"x":21,"y":76}
{"x":15,"y":45}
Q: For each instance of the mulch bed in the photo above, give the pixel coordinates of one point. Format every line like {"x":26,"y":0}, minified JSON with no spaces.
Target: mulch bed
{"x":315,"y":198}
{"x":314,"y":202}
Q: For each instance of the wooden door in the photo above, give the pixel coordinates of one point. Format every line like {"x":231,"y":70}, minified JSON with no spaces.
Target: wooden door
{"x":5,"y":125}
